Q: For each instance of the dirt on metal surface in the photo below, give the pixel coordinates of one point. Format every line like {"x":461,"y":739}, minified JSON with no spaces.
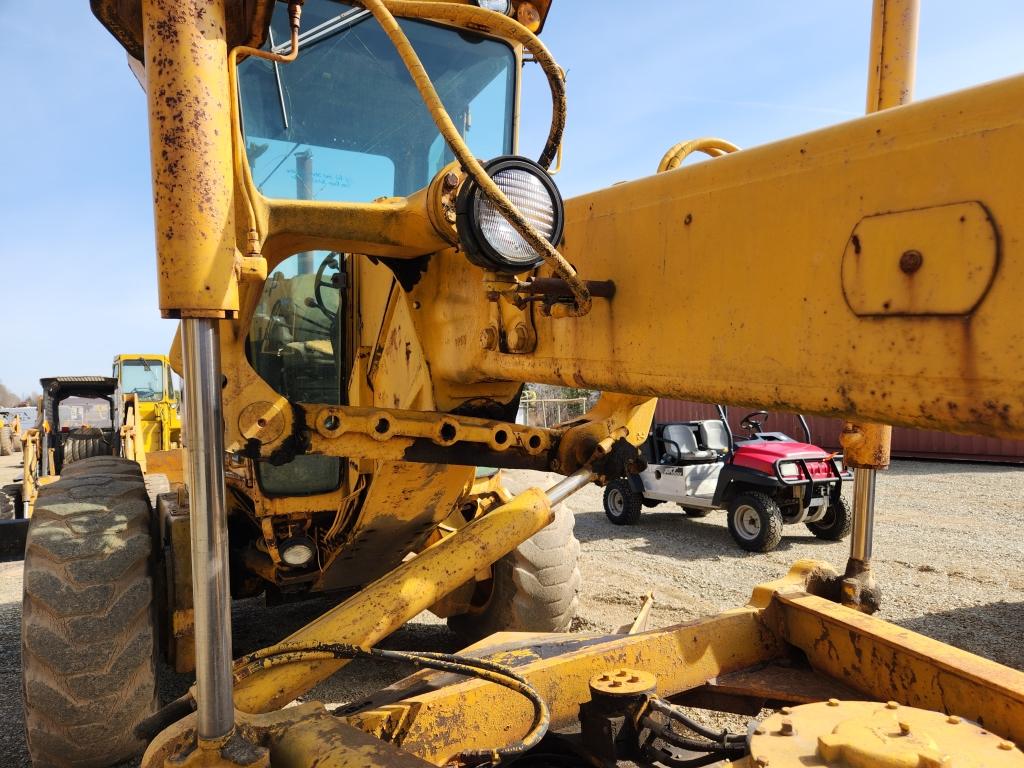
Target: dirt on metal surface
{"x":948,"y":554}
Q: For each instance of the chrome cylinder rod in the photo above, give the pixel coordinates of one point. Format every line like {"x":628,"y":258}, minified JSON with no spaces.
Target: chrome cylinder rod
{"x":204,"y":443}
{"x":566,"y":487}
{"x":863,"y":515}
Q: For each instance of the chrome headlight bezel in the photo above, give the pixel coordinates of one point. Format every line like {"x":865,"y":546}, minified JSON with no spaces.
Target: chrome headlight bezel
{"x":469,"y":214}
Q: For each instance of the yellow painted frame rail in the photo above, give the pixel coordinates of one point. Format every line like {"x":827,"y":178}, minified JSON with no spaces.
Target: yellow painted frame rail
{"x":746,"y":253}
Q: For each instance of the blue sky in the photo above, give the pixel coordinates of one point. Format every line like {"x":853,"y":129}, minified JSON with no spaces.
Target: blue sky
{"x":77,"y":269}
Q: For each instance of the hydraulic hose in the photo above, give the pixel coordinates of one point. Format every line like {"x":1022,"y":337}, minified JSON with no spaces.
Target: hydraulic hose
{"x":294,"y":19}
{"x":483,"y":669}
{"x":551,"y":256}
{"x":709,"y":146}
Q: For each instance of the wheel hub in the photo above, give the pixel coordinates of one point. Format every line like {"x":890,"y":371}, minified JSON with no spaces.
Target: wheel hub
{"x":748,"y":524}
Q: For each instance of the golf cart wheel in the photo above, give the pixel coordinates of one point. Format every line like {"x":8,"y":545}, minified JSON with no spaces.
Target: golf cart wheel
{"x":534,"y":588}
{"x":88,"y":633}
{"x":622,"y":504}
{"x":695,"y":511}
{"x":835,"y":524}
{"x":755,"y":521}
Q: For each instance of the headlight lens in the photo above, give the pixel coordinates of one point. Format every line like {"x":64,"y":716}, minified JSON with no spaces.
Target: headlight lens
{"x":501,"y":6}
{"x":488,"y":239}
{"x":298,"y":550}
{"x":789,"y":469}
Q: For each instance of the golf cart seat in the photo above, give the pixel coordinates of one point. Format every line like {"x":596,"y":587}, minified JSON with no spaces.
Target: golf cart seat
{"x":714,"y":436}
{"x":681,"y":445}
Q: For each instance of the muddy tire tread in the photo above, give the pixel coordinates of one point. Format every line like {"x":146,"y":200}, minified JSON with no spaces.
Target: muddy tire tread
{"x":88,"y":631}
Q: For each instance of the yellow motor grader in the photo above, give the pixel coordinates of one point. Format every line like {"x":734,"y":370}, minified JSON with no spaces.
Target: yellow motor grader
{"x":366,"y":273}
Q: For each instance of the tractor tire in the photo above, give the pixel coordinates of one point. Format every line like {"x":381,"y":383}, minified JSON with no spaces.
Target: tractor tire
{"x":695,"y":511}
{"x":755,"y":521}
{"x":836,"y":523}
{"x":622,"y":504}
{"x":84,"y":443}
{"x":534,"y":588}
{"x":6,"y":441}
{"x":88,"y":638}
{"x":17,"y":443}
{"x":8,"y":503}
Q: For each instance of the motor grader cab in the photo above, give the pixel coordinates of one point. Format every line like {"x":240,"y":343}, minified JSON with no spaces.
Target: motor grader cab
{"x":286,"y":145}
{"x":146,"y":404}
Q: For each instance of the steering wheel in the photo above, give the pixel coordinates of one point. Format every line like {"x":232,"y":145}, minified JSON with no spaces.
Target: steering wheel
{"x":330,"y":262}
{"x":753,"y":422}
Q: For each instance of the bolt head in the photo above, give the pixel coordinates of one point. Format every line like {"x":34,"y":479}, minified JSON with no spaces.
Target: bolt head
{"x":833,"y":702}
{"x":910,"y":262}
{"x":891,"y":705}
{"x":450,"y":179}
{"x":904,"y":727}
{"x":1007,"y":745}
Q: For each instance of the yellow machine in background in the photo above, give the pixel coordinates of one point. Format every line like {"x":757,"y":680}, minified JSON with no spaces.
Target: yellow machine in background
{"x":148,"y":401}
{"x":355,"y":333}
{"x":149,"y":413}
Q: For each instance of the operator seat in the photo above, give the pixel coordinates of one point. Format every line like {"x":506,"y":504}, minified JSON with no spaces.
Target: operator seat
{"x":681,"y":445}
{"x":714,"y":436}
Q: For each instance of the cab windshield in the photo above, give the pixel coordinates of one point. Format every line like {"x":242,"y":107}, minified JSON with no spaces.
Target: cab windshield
{"x":344,"y":122}
{"x":143,"y":377}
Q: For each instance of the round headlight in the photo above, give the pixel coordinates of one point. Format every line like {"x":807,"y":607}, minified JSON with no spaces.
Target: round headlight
{"x":501,"y":6}
{"x":298,"y":550}
{"x":488,"y":239}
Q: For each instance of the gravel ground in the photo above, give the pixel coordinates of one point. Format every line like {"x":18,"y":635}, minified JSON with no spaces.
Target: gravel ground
{"x":947,"y":552}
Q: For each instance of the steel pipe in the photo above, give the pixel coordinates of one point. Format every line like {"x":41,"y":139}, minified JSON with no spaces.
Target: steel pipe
{"x":204,"y":459}
{"x":862,"y":537}
{"x":566,"y":487}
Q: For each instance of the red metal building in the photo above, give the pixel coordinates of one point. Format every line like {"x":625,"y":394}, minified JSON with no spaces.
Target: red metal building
{"x":907,"y":443}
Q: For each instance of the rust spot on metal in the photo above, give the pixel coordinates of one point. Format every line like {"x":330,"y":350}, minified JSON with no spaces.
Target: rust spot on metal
{"x":911,"y":261}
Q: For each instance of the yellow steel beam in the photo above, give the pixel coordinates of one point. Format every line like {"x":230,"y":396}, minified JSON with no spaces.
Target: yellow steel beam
{"x":889,"y":662}
{"x":779,"y":276}
{"x":866,"y":654}
{"x":683,"y":657}
{"x":384,"y":606}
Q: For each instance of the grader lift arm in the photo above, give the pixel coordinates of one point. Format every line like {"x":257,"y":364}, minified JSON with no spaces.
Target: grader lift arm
{"x":892,"y":248}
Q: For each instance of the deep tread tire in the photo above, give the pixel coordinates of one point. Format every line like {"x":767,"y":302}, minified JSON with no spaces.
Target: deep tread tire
{"x":17,"y":443}
{"x":88,"y":622}
{"x":535,"y":587}
{"x":836,"y":524}
{"x":768,"y":515}
{"x":8,"y":503}
{"x":622,"y":505}
{"x":6,"y":441}
{"x":695,"y":511}
{"x":84,"y":443}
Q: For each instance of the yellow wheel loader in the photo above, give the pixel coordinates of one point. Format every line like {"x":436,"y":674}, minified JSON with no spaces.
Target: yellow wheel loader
{"x":147,"y":402}
{"x":366,"y":273}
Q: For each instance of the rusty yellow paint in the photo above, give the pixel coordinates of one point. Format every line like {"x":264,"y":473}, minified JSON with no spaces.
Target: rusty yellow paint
{"x":189,"y":101}
{"x":799,"y":200}
{"x":478,"y":715}
{"x":876,"y":734}
{"x":392,"y":600}
{"x":889,"y":662}
{"x":962,"y":248}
